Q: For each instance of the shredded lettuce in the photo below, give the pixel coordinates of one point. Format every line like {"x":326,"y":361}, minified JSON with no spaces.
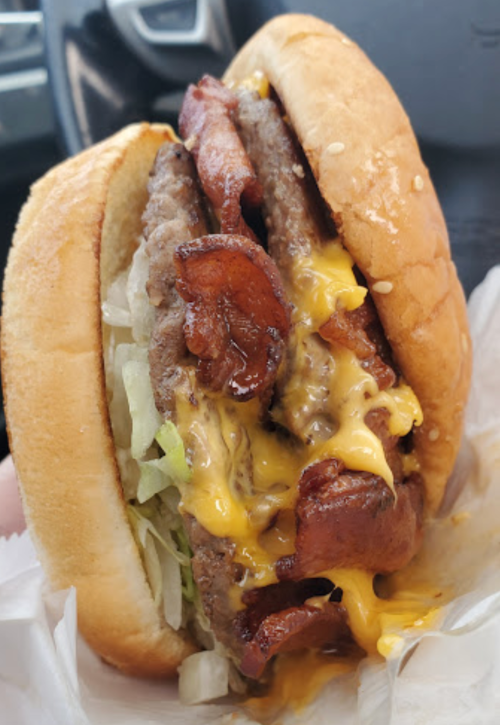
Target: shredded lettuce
{"x":203,"y":676}
{"x":115,"y":309}
{"x":188,"y":585}
{"x":115,"y":316}
{"x":175,"y":464}
{"x":150,"y":453}
{"x":163,"y":561}
{"x":172,"y":589}
{"x":170,"y":470}
{"x":141,"y":312}
{"x":145,"y":418}
{"x":171,"y":498}
{"x":119,"y":408}
{"x":143,"y":525}
{"x":129,"y":472}
{"x":152,"y":480}
{"x":153,"y":568}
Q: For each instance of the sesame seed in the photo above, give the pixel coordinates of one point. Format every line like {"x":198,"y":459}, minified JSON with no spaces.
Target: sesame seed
{"x":433,"y":435}
{"x":337,"y":147}
{"x":298,"y":171}
{"x":417,"y":183}
{"x":378,"y":155}
{"x":190,"y":142}
{"x":383,"y":287}
{"x":346,"y":41}
{"x":465,"y":342}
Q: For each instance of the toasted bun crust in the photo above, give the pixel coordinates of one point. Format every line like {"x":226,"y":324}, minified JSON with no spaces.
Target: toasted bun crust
{"x":366,"y":160}
{"x":83,"y":214}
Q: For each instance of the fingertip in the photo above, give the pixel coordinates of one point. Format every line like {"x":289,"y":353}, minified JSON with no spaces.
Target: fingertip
{"x":11,"y":510}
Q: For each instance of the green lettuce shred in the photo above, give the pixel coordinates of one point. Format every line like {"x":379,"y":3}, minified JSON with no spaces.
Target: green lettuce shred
{"x":142,"y":525}
{"x":188,"y":585}
{"x":153,"y":479}
{"x":145,"y":417}
{"x":169,"y":470}
{"x":175,"y":463}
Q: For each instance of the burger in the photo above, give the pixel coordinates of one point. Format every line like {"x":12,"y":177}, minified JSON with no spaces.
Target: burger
{"x":235,"y":368}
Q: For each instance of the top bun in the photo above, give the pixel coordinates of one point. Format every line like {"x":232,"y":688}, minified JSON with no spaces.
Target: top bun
{"x":365,"y":158}
{"x":78,"y":228}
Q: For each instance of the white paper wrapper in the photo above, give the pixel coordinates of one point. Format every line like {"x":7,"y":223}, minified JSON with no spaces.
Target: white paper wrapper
{"x":48,"y":676}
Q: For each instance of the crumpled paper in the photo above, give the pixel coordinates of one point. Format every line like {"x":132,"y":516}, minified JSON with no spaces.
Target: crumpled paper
{"x":48,"y":675}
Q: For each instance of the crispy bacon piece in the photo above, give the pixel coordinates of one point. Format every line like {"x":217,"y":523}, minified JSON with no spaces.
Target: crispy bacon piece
{"x":348,"y":328}
{"x":350,"y":519}
{"x":262,"y":602}
{"x":225,"y":171}
{"x":355,"y":329}
{"x":279,"y":618}
{"x":303,"y":627}
{"x":237,"y":317}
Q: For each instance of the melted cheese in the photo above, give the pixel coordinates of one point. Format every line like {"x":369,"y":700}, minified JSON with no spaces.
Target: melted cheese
{"x":405,"y":410}
{"x":410,"y":464}
{"x":375,"y":622}
{"x":297,"y":679}
{"x":324,"y":280}
{"x":243,"y":475}
{"x":242,"y":478}
{"x":352,"y":394}
{"x":377,"y":625}
{"x":348,"y":396}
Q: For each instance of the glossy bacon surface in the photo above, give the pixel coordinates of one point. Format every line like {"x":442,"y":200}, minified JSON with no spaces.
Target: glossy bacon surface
{"x":304,"y":627}
{"x":225,"y":171}
{"x":357,"y":330}
{"x":351,"y":519}
{"x":289,"y":616}
{"x":237,"y":317}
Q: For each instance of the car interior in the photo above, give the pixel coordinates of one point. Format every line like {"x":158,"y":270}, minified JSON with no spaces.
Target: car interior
{"x":74,"y":71}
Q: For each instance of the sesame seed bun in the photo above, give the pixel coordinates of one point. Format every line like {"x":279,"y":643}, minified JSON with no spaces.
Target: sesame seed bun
{"x":365,"y":158}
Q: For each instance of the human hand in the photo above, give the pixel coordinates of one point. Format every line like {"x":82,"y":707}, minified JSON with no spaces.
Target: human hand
{"x":11,"y":511}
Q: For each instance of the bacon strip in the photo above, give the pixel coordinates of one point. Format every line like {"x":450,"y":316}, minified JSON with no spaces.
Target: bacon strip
{"x":297,"y":628}
{"x":350,"y":519}
{"x":237,"y":318}
{"x":281,"y":618}
{"x":225,"y":171}
{"x":357,"y":330}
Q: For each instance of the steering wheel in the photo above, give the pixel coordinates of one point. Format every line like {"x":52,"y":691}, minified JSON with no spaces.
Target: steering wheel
{"x":112,"y":62}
